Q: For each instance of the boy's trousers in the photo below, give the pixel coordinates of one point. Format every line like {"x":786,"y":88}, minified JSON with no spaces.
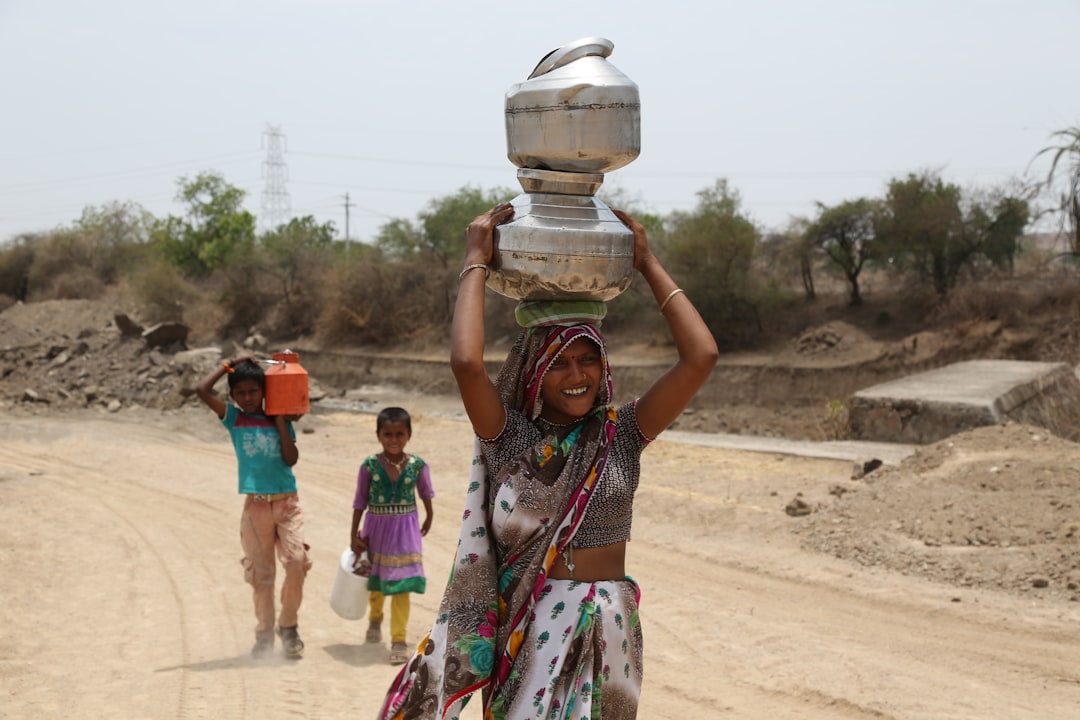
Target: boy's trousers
{"x":266,"y":527}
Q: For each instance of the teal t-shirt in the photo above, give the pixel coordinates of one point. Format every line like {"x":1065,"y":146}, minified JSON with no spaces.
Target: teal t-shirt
{"x":258,"y":452}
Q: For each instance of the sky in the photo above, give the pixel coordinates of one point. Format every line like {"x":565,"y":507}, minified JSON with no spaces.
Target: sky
{"x":394,"y":104}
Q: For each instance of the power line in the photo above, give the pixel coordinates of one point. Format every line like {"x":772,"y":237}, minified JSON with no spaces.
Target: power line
{"x":150,"y":170}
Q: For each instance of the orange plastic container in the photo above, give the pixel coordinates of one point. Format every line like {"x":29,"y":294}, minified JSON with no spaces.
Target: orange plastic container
{"x":287,"y":386}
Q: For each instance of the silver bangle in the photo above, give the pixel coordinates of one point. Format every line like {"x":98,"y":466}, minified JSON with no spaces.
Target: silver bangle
{"x":670,"y":295}
{"x":487,"y":271}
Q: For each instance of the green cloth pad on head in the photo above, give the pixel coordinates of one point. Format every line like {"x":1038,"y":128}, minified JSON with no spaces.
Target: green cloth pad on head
{"x":543,"y":313}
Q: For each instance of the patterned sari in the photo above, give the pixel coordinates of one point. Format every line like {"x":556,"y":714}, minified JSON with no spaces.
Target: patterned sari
{"x":501,"y":618}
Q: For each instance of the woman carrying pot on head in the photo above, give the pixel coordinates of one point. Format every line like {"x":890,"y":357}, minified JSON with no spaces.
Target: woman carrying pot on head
{"x":539,"y":613}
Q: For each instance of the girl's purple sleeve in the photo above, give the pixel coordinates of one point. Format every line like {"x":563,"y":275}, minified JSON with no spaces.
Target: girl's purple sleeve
{"x":424,"y":487}
{"x":363,"y":488}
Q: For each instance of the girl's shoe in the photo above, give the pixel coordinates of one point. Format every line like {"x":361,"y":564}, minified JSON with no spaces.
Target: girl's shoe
{"x":374,"y":633}
{"x":399,"y":653}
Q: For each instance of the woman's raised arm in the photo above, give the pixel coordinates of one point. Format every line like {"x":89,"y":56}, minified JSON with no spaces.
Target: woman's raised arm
{"x":662,"y":403}
{"x":482,"y":402}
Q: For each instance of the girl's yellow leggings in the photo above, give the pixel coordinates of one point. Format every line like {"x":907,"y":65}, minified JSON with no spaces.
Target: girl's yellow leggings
{"x":399,"y":613}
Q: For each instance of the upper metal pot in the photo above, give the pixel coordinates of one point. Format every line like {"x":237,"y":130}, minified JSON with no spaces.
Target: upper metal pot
{"x":575,"y":113}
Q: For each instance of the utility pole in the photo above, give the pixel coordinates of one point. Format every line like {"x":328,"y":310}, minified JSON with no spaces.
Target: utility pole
{"x":276,"y":207}
{"x":348,"y":241}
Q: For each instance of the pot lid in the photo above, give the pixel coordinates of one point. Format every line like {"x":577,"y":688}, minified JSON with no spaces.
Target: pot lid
{"x":571,"y":52}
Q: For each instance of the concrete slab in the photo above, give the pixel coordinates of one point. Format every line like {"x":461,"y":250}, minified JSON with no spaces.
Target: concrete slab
{"x":930,"y":406}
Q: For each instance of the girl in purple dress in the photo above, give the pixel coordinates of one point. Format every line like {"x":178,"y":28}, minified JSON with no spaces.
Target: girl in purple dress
{"x":388,"y":486}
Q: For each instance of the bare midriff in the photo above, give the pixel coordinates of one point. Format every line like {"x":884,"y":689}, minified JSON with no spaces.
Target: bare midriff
{"x":607,"y":562}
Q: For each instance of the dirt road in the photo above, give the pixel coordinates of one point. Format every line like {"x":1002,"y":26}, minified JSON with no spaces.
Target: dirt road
{"x":119,"y":553}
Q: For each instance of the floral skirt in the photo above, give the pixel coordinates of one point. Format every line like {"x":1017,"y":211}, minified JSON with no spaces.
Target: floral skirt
{"x":581,"y":653}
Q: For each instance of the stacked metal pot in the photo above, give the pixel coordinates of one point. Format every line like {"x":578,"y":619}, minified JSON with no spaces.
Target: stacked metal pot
{"x":575,"y":118}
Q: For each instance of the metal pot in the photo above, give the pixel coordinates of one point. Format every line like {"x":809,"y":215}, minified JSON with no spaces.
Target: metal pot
{"x":575,"y":113}
{"x":562,"y":247}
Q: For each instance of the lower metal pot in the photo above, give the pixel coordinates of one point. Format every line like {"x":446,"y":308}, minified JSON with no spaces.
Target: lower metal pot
{"x":562,"y":247}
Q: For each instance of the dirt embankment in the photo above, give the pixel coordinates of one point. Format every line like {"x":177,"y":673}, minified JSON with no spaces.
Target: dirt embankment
{"x":71,"y":354}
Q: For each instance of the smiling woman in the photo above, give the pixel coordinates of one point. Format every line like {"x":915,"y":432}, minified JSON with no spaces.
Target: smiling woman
{"x":541,"y":554}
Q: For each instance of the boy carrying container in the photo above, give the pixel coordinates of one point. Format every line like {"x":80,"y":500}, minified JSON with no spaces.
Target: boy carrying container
{"x":272,"y":519}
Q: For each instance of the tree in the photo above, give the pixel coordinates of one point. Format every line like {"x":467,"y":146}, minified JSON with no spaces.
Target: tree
{"x":846,"y":232}
{"x":214,"y":230}
{"x":999,"y":223}
{"x":400,"y":238}
{"x":295,"y":253}
{"x":804,"y":251}
{"x":118,"y":233}
{"x":117,"y":223}
{"x":710,"y":250}
{"x":436,"y":240}
{"x":922,"y":228}
{"x":1066,"y":159}
{"x":296,"y":256}
{"x":439,"y":233}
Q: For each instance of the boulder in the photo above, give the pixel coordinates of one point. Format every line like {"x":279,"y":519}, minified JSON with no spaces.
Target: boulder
{"x":166,"y":334}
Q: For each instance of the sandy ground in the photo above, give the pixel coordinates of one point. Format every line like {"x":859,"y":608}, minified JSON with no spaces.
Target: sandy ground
{"x":119,"y":552}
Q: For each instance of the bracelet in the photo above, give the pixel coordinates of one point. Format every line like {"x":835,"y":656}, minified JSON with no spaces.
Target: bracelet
{"x":670,"y":295}
{"x":487,"y":270}
{"x":228,"y":366}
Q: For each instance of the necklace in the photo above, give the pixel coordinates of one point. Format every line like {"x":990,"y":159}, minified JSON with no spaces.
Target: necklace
{"x":551,"y":424}
{"x":396,"y":465}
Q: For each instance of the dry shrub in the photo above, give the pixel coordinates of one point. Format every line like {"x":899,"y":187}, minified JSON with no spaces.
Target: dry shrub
{"x":296,"y":317}
{"x":68,"y":264}
{"x":16,"y":259}
{"x":382,"y":303}
{"x":835,"y":419}
{"x":80,"y":283}
{"x":983,"y":300}
{"x":1057,"y":291}
{"x":163,"y":293}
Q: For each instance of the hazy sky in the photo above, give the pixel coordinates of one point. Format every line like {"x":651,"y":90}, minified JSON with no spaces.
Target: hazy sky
{"x":396,"y":103}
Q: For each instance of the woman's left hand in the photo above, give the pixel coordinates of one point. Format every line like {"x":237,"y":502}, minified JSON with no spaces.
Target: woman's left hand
{"x":642,"y":251}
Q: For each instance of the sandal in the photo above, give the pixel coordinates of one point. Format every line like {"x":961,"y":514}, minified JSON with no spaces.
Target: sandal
{"x":399,"y":653}
{"x":374,"y":633}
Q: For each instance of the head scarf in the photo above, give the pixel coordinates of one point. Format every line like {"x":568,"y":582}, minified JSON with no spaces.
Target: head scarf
{"x":522,"y":375}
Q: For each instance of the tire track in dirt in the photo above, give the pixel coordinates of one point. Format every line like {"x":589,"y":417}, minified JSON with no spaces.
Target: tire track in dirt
{"x":155,"y":573}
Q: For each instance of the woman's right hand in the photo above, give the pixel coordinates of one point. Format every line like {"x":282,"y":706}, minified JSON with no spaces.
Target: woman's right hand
{"x":480,"y":235}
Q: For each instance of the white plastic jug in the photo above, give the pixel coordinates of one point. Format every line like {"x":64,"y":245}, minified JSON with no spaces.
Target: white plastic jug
{"x":349,"y":596}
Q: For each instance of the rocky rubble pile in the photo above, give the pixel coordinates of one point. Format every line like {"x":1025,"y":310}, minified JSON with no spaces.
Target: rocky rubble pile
{"x":110,"y":364}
